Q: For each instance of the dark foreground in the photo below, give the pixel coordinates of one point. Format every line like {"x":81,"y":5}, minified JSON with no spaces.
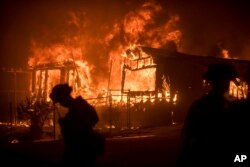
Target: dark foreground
{"x":152,"y":147}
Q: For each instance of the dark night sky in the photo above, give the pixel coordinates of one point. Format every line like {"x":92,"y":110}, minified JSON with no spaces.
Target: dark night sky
{"x":202,"y":23}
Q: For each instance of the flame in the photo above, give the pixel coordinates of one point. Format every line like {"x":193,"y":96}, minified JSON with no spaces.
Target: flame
{"x":57,"y":53}
{"x":175,"y":98}
{"x":56,"y":56}
{"x":90,"y":78}
{"x":166,"y":87}
{"x":225,"y":53}
{"x":140,"y":80}
{"x":135,"y":22}
{"x":239,"y":90}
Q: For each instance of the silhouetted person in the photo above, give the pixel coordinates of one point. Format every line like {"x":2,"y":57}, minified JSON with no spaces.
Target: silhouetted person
{"x":76,"y":127}
{"x":206,"y":129}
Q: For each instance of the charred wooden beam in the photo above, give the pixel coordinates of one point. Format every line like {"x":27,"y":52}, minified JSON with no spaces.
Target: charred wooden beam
{"x":33,"y":81}
{"x":45,"y":84}
{"x":139,"y":68}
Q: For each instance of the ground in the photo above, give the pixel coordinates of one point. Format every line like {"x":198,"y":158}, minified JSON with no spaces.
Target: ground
{"x":158,"y":146}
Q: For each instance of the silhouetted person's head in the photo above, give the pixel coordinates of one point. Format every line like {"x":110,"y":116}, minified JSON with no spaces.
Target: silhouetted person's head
{"x":61,"y":93}
{"x":220,"y":75}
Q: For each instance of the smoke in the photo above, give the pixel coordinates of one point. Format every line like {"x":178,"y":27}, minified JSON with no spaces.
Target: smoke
{"x":99,"y":28}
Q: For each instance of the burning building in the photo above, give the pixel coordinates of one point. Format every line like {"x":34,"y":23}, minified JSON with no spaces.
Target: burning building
{"x":177,"y":76}
{"x":106,"y":59}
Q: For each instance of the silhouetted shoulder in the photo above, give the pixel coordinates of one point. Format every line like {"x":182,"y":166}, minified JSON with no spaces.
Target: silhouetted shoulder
{"x":88,"y":112}
{"x":199,"y":105}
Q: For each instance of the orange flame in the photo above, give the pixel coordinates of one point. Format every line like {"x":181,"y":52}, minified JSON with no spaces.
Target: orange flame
{"x":137,"y":28}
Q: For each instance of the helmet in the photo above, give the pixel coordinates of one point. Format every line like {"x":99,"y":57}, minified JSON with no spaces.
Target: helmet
{"x":59,"y":92}
{"x":220,"y":71}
